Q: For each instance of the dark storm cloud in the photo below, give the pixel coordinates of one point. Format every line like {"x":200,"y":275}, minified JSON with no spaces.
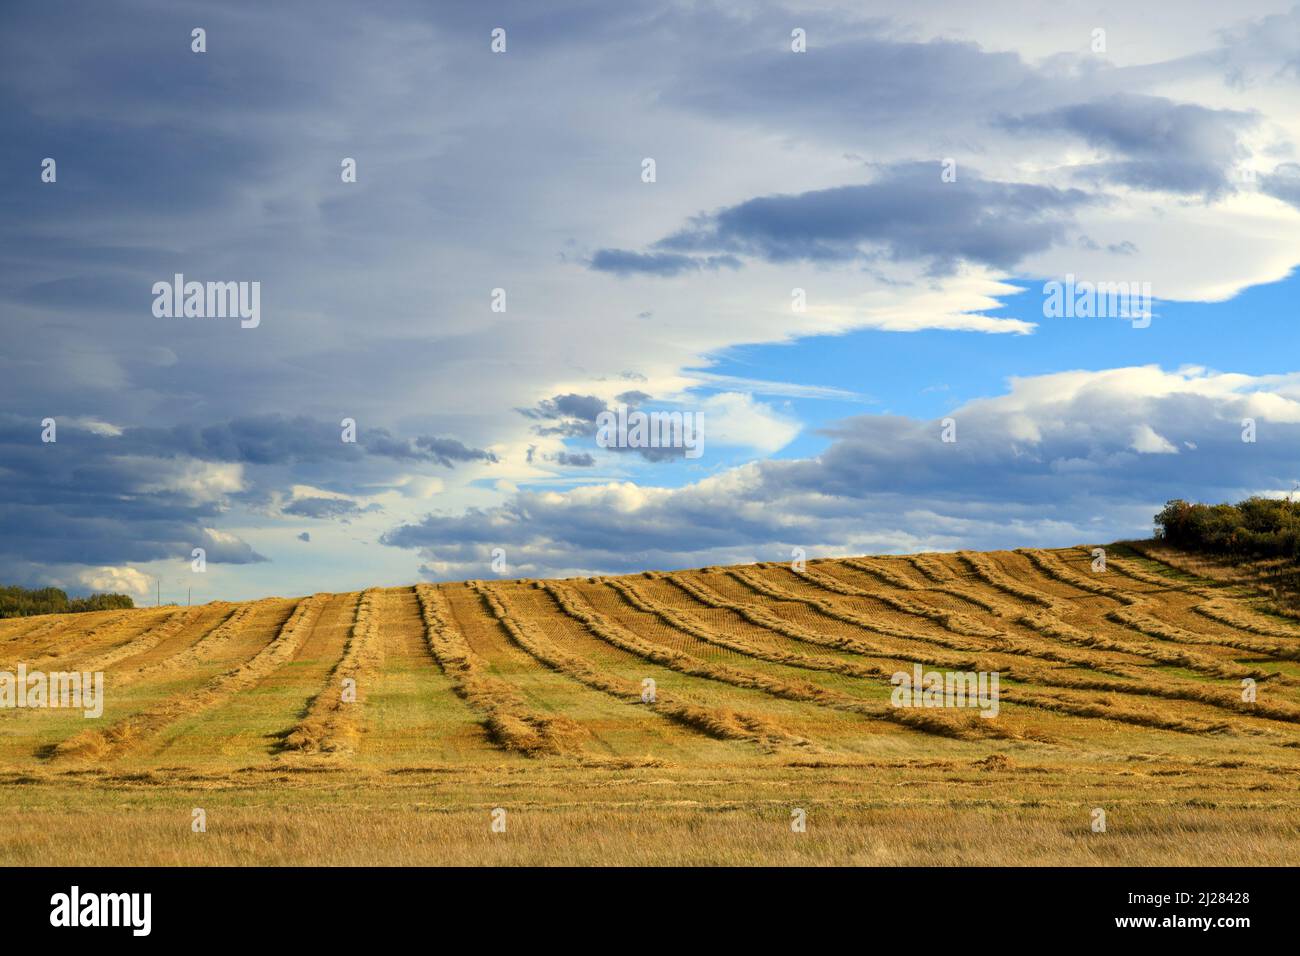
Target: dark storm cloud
{"x":1283,"y":183}
{"x":93,"y":497}
{"x":577,"y":460}
{"x":907,"y":213}
{"x":1158,"y":143}
{"x":582,"y":407}
{"x":624,"y":262}
{"x":848,"y":85}
{"x":324,"y":508}
{"x":575,"y":417}
{"x":448,"y":451}
{"x":277,"y":440}
{"x":71,"y":501}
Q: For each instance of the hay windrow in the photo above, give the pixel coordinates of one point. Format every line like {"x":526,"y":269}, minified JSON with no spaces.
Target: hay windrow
{"x":721,"y":723}
{"x":508,"y":718}
{"x":333,"y":723}
{"x":130,"y":732}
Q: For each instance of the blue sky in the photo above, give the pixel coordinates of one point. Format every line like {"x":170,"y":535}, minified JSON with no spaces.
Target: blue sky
{"x":920,"y":171}
{"x":928,"y":374}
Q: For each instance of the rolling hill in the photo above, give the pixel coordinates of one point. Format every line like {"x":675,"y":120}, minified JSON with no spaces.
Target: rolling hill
{"x":1149,"y":713}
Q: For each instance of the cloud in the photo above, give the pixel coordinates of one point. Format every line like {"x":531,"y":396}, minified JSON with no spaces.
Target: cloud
{"x":733,"y":419}
{"x":374,"y":296}
{"x":1147,"y":442}
{"x":1157,"y":143}
{"x":1283,"y":183}
{"x":907,"y":214}
{"x":278,"y":439}
{"x":448,"y":451}
{"x":1058,"y":459}
{"x":864,"y":76}
{"x":112,"y":580}
{"x":323,"y":508}
{"x":624,"y":262}
{"x":225,"y":548}
{"x":106,"y":495}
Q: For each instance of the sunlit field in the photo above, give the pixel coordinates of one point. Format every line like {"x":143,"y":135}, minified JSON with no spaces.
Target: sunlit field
{"x":1147,"y":714}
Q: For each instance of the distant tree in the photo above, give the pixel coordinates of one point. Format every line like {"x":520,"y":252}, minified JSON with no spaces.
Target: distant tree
{"x":1256,"y":527}
{"x":23,"y":602}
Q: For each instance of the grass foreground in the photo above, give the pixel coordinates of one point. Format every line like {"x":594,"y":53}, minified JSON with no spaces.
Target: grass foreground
{"x":1148,"y":714}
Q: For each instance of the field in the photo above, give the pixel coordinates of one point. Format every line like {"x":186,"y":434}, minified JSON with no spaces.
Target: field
{"x":693,"y":717}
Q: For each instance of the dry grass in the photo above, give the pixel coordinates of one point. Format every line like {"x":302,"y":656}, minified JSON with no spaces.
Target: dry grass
{"x":771,"y":692}
{"x":334,"y":722}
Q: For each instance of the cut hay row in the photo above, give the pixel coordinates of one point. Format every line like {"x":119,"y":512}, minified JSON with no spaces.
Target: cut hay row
{"x":771,"y":589}
{"x":950,"y":587}
{"x":936,"y":571}
{"x":1113,"y":710}
{"x":36,"y":657}
{"x":209,"y":644}
{"x":1052,"y":626}
{"x":958,"y":726}
{"x":1193,"y":565}
{"x":716,"y":722}
{"x":892,"y":579}
{"x":953,"y":621}
{"x":1167,"y":688}
{"x":146,"y":641}
{"x":132,"y":731}
{"x":333,"y":725}
{"x":948,"y":582}
{"x":1241,"y":577}
{"x":949,"y":621}
{"x":1011,"y":648}
{"x":1056,"y":569}
{"x":1234,"y":616}
{"x":622,"y":638}
{"x":1047,"y":623}
{"x":1130,"y":569}
{"x":1002,"y":642}
{"x":994,"y":576}
{"x":510,"y":722}
{"x":965,"y":660}
{"x":948,"y":725}
{"x":889,"y":576}
{"x":1131,"y":617}
{"x":1185,"y":691}
{"x":759,"y":617}
{"x":110,"y":623}
{"x":686,"y":624}
{"x":42,"y":628}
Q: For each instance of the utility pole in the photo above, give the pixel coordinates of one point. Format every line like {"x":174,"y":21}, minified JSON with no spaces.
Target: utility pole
{"x":189,"y":597}
{"x":159,"y":592}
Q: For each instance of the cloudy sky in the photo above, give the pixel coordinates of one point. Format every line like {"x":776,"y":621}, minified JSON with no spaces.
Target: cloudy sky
{"x":920,"y":171}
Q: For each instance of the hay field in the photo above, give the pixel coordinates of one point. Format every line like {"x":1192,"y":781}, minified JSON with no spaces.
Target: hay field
{"x":1119,"y":691}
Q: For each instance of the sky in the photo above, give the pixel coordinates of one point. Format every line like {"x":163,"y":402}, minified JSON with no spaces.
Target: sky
{"x":828,"y":232}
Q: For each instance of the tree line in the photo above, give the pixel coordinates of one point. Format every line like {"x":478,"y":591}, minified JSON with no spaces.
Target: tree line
{"x":1256,"y":527}
{"x":21,"y":602}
